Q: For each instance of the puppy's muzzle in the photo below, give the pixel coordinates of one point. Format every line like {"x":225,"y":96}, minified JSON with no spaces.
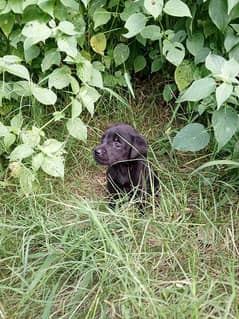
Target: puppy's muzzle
{"x":100,"y":155}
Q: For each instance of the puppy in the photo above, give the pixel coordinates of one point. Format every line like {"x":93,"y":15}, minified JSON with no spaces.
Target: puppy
{"x":124,"y":151}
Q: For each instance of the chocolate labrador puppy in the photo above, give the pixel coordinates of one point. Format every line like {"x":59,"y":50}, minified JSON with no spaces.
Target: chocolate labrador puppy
{"x":124,"y":151}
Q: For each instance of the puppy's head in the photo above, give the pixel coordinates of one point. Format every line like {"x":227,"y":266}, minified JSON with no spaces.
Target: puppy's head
{"x":120,"y":143}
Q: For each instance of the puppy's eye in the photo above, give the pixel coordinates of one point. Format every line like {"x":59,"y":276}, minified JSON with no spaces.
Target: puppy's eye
{"x":116,"y":138}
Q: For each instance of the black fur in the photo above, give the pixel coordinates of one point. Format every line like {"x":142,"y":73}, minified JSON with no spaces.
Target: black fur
{"x":124,"y":151}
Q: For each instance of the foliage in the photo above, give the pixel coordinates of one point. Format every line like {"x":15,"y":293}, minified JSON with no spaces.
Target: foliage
{"x":81,"y":48}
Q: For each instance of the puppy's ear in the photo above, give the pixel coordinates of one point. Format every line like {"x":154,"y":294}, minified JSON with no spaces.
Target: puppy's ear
{"x":138,"y":147}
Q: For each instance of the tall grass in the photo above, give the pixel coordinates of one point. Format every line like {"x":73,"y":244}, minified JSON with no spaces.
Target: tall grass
{"x":75,"y":258}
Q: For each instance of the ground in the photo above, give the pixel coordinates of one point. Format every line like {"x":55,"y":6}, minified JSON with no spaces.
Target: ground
{"x":66,"y":254}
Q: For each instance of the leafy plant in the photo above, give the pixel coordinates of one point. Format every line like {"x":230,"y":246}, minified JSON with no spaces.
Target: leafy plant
{"x":80,"y":47}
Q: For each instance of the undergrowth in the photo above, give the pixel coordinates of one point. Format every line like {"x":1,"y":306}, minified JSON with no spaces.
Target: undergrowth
{"x":66,"y":254}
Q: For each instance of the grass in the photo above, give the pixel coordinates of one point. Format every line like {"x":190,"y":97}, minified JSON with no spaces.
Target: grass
{"x":66,"y":254}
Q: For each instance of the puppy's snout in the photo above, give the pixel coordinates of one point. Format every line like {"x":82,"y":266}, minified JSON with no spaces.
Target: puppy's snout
{"x":99,"y":151}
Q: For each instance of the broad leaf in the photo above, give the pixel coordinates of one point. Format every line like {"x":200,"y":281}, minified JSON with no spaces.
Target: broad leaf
{"x":76,"y":108}
{"x":198,"y":90}
{"x":195,"y":43}
{"x":3,"y":130}
{"x":53,"y":166}
{"x":184,"y":74}
{"x":44,"y":96}
{"x":88,"y":97}
{"x":225,"y":125}
{"x":20,"y":152}
{"x":7,"y":23}
{"x":51,"y":147}
{"x":31,"y":137}
{"x":154,"y":7}
{"x":223,"y":92}
{"x":98,"y":43}
{"x":177,"y":8}
{"x":231,"y":4}
{"x":192,"y":138}
{"x":121,"y":53}
{"x":67,"y":28}
{"x":9,"y":140}
{"x":218,"y":13}
{"x":68,"y":45}
{"x":18,"y":70}
{"x":36,"y":31}
{"x":152,"y":32}
{"x":135,"y":24}
{"x":101,"y":17}
{"x":139,"y":63}
{"x":59,"y":78}
{"x":51,"y":57}
{"x":214,"y":63}
{"x":26,"y":179}
{"x":77,"y":129}
{"x":173,"y":51}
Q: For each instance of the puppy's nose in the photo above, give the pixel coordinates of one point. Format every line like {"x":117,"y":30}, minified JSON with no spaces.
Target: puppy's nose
{"x":99,"y":151}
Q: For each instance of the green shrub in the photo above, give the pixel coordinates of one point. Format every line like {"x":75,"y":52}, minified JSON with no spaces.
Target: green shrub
{"x":80,"y":48}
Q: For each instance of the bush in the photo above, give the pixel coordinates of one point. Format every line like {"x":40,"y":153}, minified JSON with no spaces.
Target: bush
{"x":70,"y":51}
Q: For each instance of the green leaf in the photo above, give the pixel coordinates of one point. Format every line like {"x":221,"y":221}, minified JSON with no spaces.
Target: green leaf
{"x":52,"y":147}
{"x":47,"y":6}
{"x":3,"y":130}
{"x":76,"y":108}
{"x":216,"y":163}
{"x":77,"y":129}
{"x":193,"y":137}
{"x":135,"y":24}
{"x":184,"y":74}
{"x":168,"y":93}
{"x":20,"y":152}
{"x":59,"y":78}
{"x":9,"y":139}
{"x":218,"y":13}
{"x":98,"y":43}
{"x":96,"y":79}
{"x":53,"y":166}
{"x":231,"y":39}
{"x":37,"y":161}
{"x":16,"y":122}
{"x":225,"y":125}
{"x":31,"y":137}
{"x":51,"y":57}
{"x":68,"y":45}
{"x":121,"y":53}
{"x":30,"y":52}
{"x":198,"y":90}
{"x":6,"y":23}
{"x":173,"y":51}
{"x":16,"y":5}
{"x":88,"y":97}
{"x":231,"y":4}
{"x":154,"y":7}
{"x":223,"y":92}
{"x":72,"y":4}
{"x":67,"y":28}
{"x":152,"y":32}
{"x":195,"y":43}
{"x":214,"y":63}
{"x":26,"y":179}
{"x":44,"y":96}
{"x":18,"y":70}
{"x":139,"y":63}
{"x":101,"y":17}
{"x":177,"y":8}
{"x":22,"y":88}
{"x":36,"y":31}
